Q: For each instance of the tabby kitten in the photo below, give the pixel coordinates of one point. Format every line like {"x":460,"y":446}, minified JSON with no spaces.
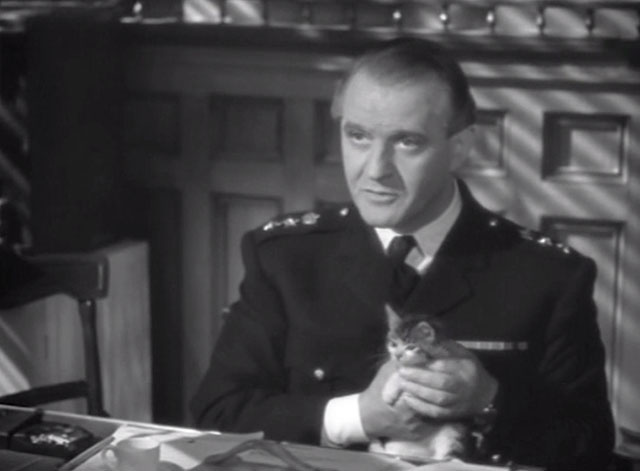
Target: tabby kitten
{"x":414,"y":341}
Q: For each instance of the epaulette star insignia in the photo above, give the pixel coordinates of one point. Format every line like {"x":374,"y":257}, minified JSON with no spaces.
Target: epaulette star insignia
{"x":307,"y":219}
{"x":269,"y":226}
{"x":290,"y":222}
{"x":543,"y":240}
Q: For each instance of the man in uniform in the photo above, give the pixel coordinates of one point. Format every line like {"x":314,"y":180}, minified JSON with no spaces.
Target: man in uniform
{"x":300,"y":353}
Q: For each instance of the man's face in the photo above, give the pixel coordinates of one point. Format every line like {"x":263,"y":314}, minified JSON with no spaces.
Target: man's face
{"x":398,"y":158}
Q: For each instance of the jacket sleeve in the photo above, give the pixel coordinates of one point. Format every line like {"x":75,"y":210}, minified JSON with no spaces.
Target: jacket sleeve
{"x":246,"y":386}
{"x":567,"y":422}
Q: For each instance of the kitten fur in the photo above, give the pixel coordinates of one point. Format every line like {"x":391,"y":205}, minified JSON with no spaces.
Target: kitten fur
{"x":415,"y":340}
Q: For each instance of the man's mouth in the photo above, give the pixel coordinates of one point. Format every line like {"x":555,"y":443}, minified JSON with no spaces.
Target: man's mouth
{"x":380,"y":195}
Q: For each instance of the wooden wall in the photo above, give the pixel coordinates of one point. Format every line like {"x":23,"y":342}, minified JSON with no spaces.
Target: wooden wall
{"x":225,"y":129}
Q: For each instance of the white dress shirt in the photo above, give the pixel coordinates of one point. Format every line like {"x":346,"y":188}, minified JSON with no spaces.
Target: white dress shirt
{"x":342,"y":423}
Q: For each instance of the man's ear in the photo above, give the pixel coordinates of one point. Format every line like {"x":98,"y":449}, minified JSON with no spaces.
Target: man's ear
{"x":461,"y":144}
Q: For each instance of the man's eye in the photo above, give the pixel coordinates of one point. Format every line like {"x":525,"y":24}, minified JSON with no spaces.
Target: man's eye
{"x":410,"y":143}
{"x":357,"y":136}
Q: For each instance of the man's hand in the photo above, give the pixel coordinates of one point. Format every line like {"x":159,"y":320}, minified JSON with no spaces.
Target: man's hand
{"x":449,"y":388}
{"x":379,"y":419}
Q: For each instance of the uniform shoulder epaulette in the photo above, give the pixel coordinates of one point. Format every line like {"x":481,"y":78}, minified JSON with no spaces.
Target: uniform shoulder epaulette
{"x":543,"y":240}
{"x":305,"y":222}
{"x":496,"y":222}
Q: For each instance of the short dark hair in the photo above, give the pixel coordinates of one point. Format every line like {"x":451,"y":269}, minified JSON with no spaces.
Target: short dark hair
{"x":410,"y":60}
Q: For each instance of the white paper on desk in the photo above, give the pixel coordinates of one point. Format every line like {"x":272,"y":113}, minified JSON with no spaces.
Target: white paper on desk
{"x":166,"y":438}
{"x":456,"y":465}
{"x":186,"y":450}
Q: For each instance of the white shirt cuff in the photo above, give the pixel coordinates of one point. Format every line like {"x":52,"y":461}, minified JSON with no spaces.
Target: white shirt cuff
{"x":342,"y":423}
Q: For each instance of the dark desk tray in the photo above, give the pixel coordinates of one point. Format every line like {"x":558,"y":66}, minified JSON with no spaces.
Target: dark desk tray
{"x":52,"y":439}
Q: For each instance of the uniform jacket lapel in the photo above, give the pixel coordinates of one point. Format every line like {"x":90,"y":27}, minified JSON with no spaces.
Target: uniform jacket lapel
{"x":365,"y":269}
{"x":447,"y":282}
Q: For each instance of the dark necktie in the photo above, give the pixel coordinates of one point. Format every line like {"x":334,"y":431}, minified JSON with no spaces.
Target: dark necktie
{"x":404,"y":277}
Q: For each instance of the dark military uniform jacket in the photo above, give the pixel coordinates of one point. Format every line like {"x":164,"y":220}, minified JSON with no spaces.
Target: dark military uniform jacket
{"x":310,"y":326}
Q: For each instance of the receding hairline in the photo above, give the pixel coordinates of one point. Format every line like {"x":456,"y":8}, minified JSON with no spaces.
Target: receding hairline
{"x":428,"y":87}
{"x":423,"y":78}
{"x":392,"y":66}
{"x":414,"y":61}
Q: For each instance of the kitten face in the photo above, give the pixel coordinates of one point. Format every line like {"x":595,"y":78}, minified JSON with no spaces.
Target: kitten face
{"x":411,"y":340}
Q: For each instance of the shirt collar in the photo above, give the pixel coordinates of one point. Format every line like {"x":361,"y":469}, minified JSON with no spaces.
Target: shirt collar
{"x":429,"y":238}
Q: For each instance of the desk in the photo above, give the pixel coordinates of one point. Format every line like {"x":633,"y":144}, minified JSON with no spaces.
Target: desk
{"x":186,"y":448}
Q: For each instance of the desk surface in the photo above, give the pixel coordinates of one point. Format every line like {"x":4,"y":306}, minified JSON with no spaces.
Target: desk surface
{"x":185,"y":448}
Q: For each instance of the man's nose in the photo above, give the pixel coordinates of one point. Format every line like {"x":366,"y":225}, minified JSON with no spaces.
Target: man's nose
{"x":380,"y":161}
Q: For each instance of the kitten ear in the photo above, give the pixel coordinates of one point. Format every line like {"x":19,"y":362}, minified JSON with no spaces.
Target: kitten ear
{"x":427,"y":332}
{"x":393,"y":318}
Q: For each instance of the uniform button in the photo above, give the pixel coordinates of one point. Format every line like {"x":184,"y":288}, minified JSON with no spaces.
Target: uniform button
{"x":497,"y":458}
{"x":318,"y":373}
